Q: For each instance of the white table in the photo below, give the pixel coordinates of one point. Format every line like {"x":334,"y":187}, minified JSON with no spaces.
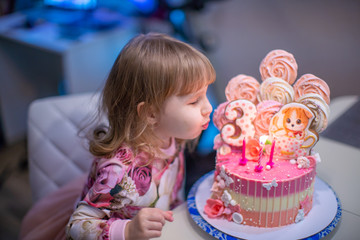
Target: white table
{"x":340,"y":168}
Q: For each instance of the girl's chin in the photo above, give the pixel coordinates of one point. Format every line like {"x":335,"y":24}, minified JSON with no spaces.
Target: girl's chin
{"x":196,"y":135}
{"x":192,"y":136}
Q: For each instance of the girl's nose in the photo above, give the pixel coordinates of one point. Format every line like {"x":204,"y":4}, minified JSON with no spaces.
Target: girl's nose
{"x":207,"y":108}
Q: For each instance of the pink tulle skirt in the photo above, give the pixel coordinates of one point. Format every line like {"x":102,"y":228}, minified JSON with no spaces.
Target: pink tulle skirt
{"x":48,"y":217}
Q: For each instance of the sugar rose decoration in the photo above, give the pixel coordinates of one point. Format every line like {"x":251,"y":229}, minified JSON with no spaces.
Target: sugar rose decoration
{"x":242,"y":87}
{"x":252,"y":150}
{"x":280,"y":64}
{"x":214,"y":208}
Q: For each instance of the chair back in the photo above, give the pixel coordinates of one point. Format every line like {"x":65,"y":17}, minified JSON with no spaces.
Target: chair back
{"x":56,"y":152}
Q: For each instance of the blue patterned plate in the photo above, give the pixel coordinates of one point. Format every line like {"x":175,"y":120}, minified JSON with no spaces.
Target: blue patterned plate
{"x":322,"y":219}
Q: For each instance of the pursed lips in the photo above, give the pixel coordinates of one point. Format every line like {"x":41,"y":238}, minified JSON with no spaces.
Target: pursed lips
{"x":205,"y":126}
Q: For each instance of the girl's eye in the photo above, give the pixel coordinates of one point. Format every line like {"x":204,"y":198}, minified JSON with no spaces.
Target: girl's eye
{"x":288,"y":120}
{"x":298,"y":121}
{"x":194,"y":102}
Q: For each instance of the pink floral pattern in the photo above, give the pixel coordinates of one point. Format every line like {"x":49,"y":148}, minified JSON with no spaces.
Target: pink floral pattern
{"x":142,"y":178}
{"x":100,"y":193}
{"x":120,"y":183}
{"x":125,"y":155}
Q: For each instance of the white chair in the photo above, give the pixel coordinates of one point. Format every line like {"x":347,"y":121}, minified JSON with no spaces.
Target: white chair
{"x":57,"y":154}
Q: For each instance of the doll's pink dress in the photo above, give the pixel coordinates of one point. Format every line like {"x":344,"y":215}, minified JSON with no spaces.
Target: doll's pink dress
{"x":116,"y":189}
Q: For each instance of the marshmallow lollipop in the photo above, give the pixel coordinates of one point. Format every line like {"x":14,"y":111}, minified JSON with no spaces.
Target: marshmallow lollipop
{"x":242,"y":87}
{"x":276,"y":89}
{"x":309,"y":83}
{"x":280,"y":64}
{"x":265,"y":111}
{"x":219,"y":117}
{"x":319,"y":107}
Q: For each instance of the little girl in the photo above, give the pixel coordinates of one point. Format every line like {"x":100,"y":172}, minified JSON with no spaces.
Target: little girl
{"x":154,"y":99}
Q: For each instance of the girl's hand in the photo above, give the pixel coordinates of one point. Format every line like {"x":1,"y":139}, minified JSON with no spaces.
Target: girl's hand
{"x":148,"y":223}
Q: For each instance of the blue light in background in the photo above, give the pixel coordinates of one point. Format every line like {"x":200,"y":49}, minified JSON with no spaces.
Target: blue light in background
{"x":72,"y":4}
{"x":177,"y":17}
{"x":176,"y":3}
{"x":146,"y":6}
{"x":206,"y":142}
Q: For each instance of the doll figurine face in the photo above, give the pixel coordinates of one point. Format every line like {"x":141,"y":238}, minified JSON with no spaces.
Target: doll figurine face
{"x":295,"y":122}
{"x":184,"y":117}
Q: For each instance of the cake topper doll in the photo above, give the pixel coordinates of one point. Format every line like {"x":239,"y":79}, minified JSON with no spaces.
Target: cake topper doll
{"x":290,"y":129}
{"x":295,"y":121}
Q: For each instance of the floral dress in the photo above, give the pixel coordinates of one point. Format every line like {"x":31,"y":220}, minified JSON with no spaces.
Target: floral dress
{"x":119,"y":187}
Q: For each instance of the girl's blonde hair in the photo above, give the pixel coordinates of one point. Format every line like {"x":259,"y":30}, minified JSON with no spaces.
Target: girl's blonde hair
{"x":149,"y":69}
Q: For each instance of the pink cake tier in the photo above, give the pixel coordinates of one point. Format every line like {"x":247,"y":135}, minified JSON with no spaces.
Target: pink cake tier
{"x":276,"y":197}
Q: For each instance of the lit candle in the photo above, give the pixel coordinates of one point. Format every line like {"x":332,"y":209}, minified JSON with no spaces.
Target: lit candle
{"x":270,"y":162}
{"x":243,"y":160}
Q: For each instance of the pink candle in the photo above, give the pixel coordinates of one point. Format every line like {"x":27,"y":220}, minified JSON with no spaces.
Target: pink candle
{"x":270,"y":162}
{"x":258,"y":168}
{"x":243,"y":160}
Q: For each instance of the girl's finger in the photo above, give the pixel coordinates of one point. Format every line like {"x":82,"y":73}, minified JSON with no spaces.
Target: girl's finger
{"x":157,"y":218}
{"x":155,"y":226}
{"x":168,"y":216}
{"x":160,"y":216}
{"x":153,"y":234}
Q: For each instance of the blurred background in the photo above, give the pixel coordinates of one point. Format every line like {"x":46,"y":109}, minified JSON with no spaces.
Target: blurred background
{"x":62,"y":47}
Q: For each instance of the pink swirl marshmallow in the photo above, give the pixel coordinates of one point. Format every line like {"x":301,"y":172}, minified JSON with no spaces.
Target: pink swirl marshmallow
{"x":309,"y":83}
{"x":280,"y":64}
{"x":265,"y":111}
{"x":242,"y":87}
{"x":219,"y":117}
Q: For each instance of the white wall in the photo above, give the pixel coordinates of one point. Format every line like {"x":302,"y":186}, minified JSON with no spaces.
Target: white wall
{"x":324,"y":37}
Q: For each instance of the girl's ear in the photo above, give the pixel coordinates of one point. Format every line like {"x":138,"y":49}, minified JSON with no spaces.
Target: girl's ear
{"x":147,"y":113}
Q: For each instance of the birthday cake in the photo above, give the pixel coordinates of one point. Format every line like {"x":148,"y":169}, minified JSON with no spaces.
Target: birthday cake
{"x":265,"y":161}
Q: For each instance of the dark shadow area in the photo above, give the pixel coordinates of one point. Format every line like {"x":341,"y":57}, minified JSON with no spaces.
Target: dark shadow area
{"x":196,"y":166}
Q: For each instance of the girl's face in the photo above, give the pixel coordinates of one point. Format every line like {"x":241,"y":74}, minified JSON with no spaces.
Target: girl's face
{"x":184,"y":117}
